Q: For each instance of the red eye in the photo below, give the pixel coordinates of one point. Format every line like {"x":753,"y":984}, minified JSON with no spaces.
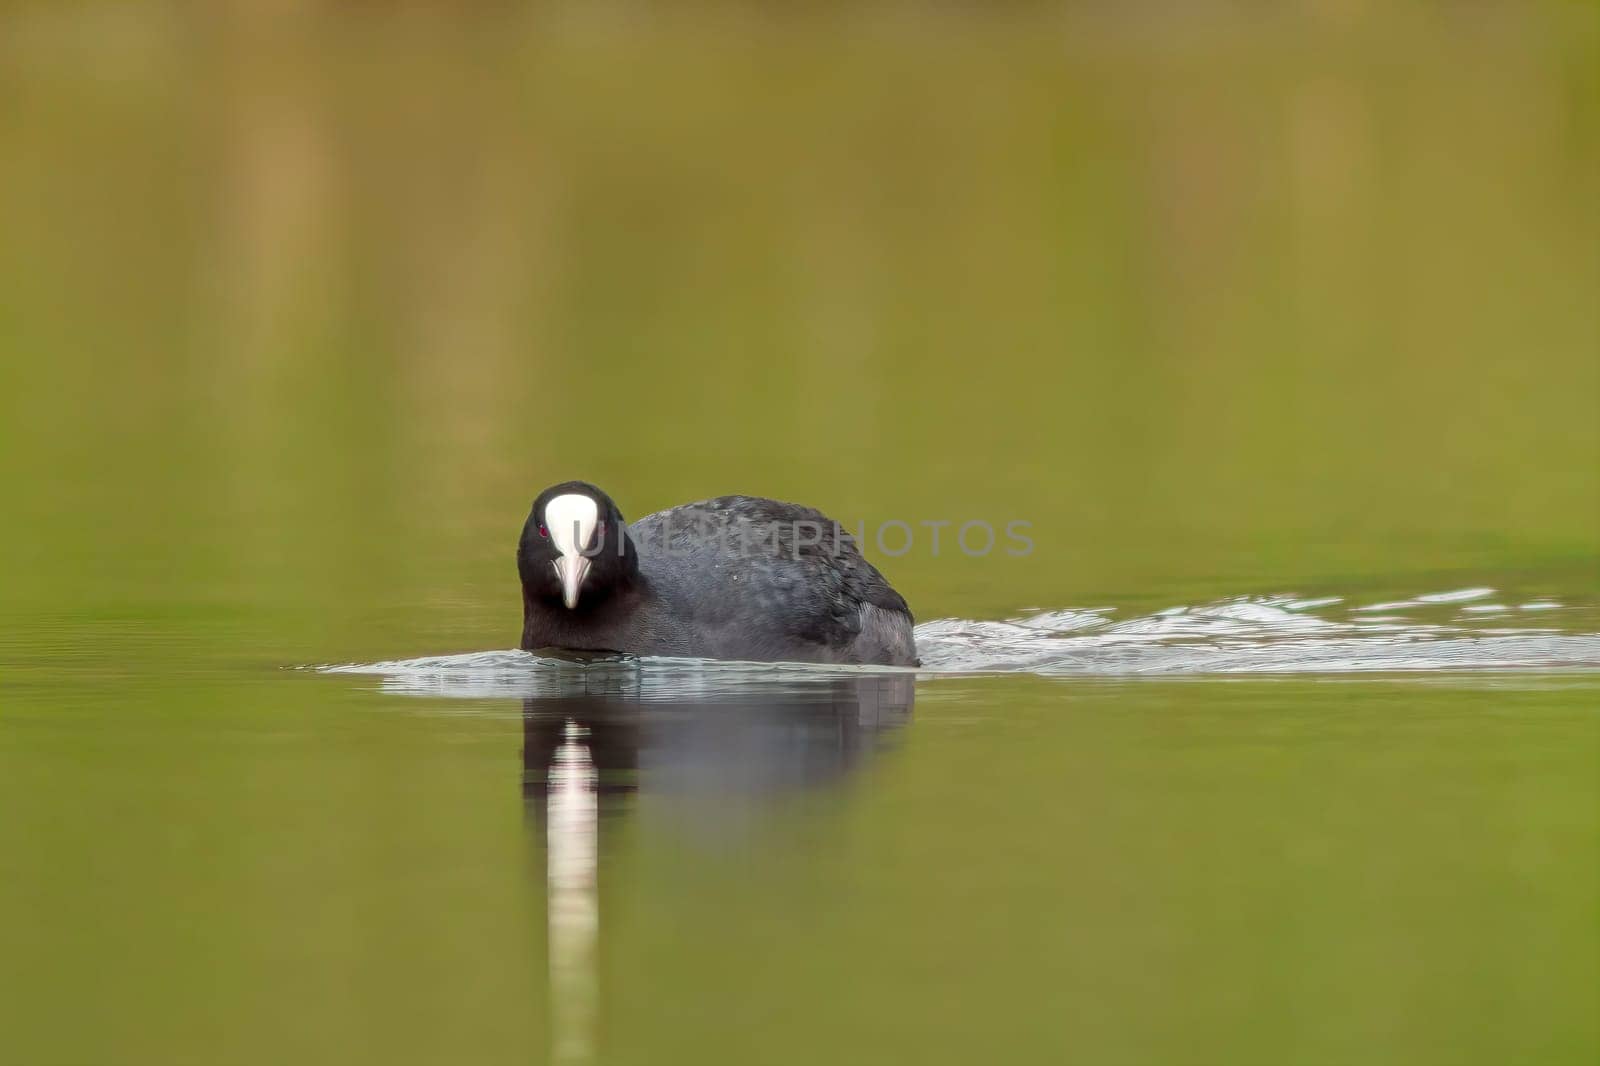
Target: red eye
{"x":543,"y":532}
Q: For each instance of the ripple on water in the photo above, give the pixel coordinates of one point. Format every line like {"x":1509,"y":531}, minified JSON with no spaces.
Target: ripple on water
{"x":1265,"y":635}
{"x":1247,"y":635}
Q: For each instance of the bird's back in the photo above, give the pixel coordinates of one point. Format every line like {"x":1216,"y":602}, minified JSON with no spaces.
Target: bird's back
{"x":745,"y":577}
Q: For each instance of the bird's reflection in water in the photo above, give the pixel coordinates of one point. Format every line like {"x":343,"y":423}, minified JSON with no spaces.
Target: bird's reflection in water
{"x":603,"y":738}
{"x":749,"y":740}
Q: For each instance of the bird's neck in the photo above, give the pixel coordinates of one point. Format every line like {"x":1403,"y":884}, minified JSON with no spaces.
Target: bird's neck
{"x":598,"y":624}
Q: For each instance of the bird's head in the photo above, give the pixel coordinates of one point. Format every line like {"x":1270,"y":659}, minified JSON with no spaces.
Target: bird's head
{"x":575,"y":549}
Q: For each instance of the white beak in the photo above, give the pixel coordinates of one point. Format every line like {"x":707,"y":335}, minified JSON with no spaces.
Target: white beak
{"x":571,"y":569}
{"x":572,"y":520}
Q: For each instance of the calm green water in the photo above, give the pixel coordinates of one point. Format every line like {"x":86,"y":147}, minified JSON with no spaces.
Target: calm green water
{"x":297,"y":316}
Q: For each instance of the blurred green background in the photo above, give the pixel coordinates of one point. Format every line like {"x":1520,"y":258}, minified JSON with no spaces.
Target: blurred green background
{"x":319,"y":299}
{"x":302,"y":303}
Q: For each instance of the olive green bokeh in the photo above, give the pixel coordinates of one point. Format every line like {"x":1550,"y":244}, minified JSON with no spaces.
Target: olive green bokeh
{"x":298,"y":312}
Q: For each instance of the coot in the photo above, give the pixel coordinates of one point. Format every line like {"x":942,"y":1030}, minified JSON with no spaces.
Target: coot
{"x":736,"y":577}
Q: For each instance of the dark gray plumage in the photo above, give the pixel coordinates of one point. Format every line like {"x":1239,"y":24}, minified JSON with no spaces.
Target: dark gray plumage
{"x":736,"y":577}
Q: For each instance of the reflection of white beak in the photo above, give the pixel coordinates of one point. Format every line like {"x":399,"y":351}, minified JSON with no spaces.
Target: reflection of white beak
{"x":571,"y":569}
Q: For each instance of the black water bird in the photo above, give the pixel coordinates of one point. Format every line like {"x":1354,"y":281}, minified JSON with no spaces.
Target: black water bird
{"x":736,"y":577}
